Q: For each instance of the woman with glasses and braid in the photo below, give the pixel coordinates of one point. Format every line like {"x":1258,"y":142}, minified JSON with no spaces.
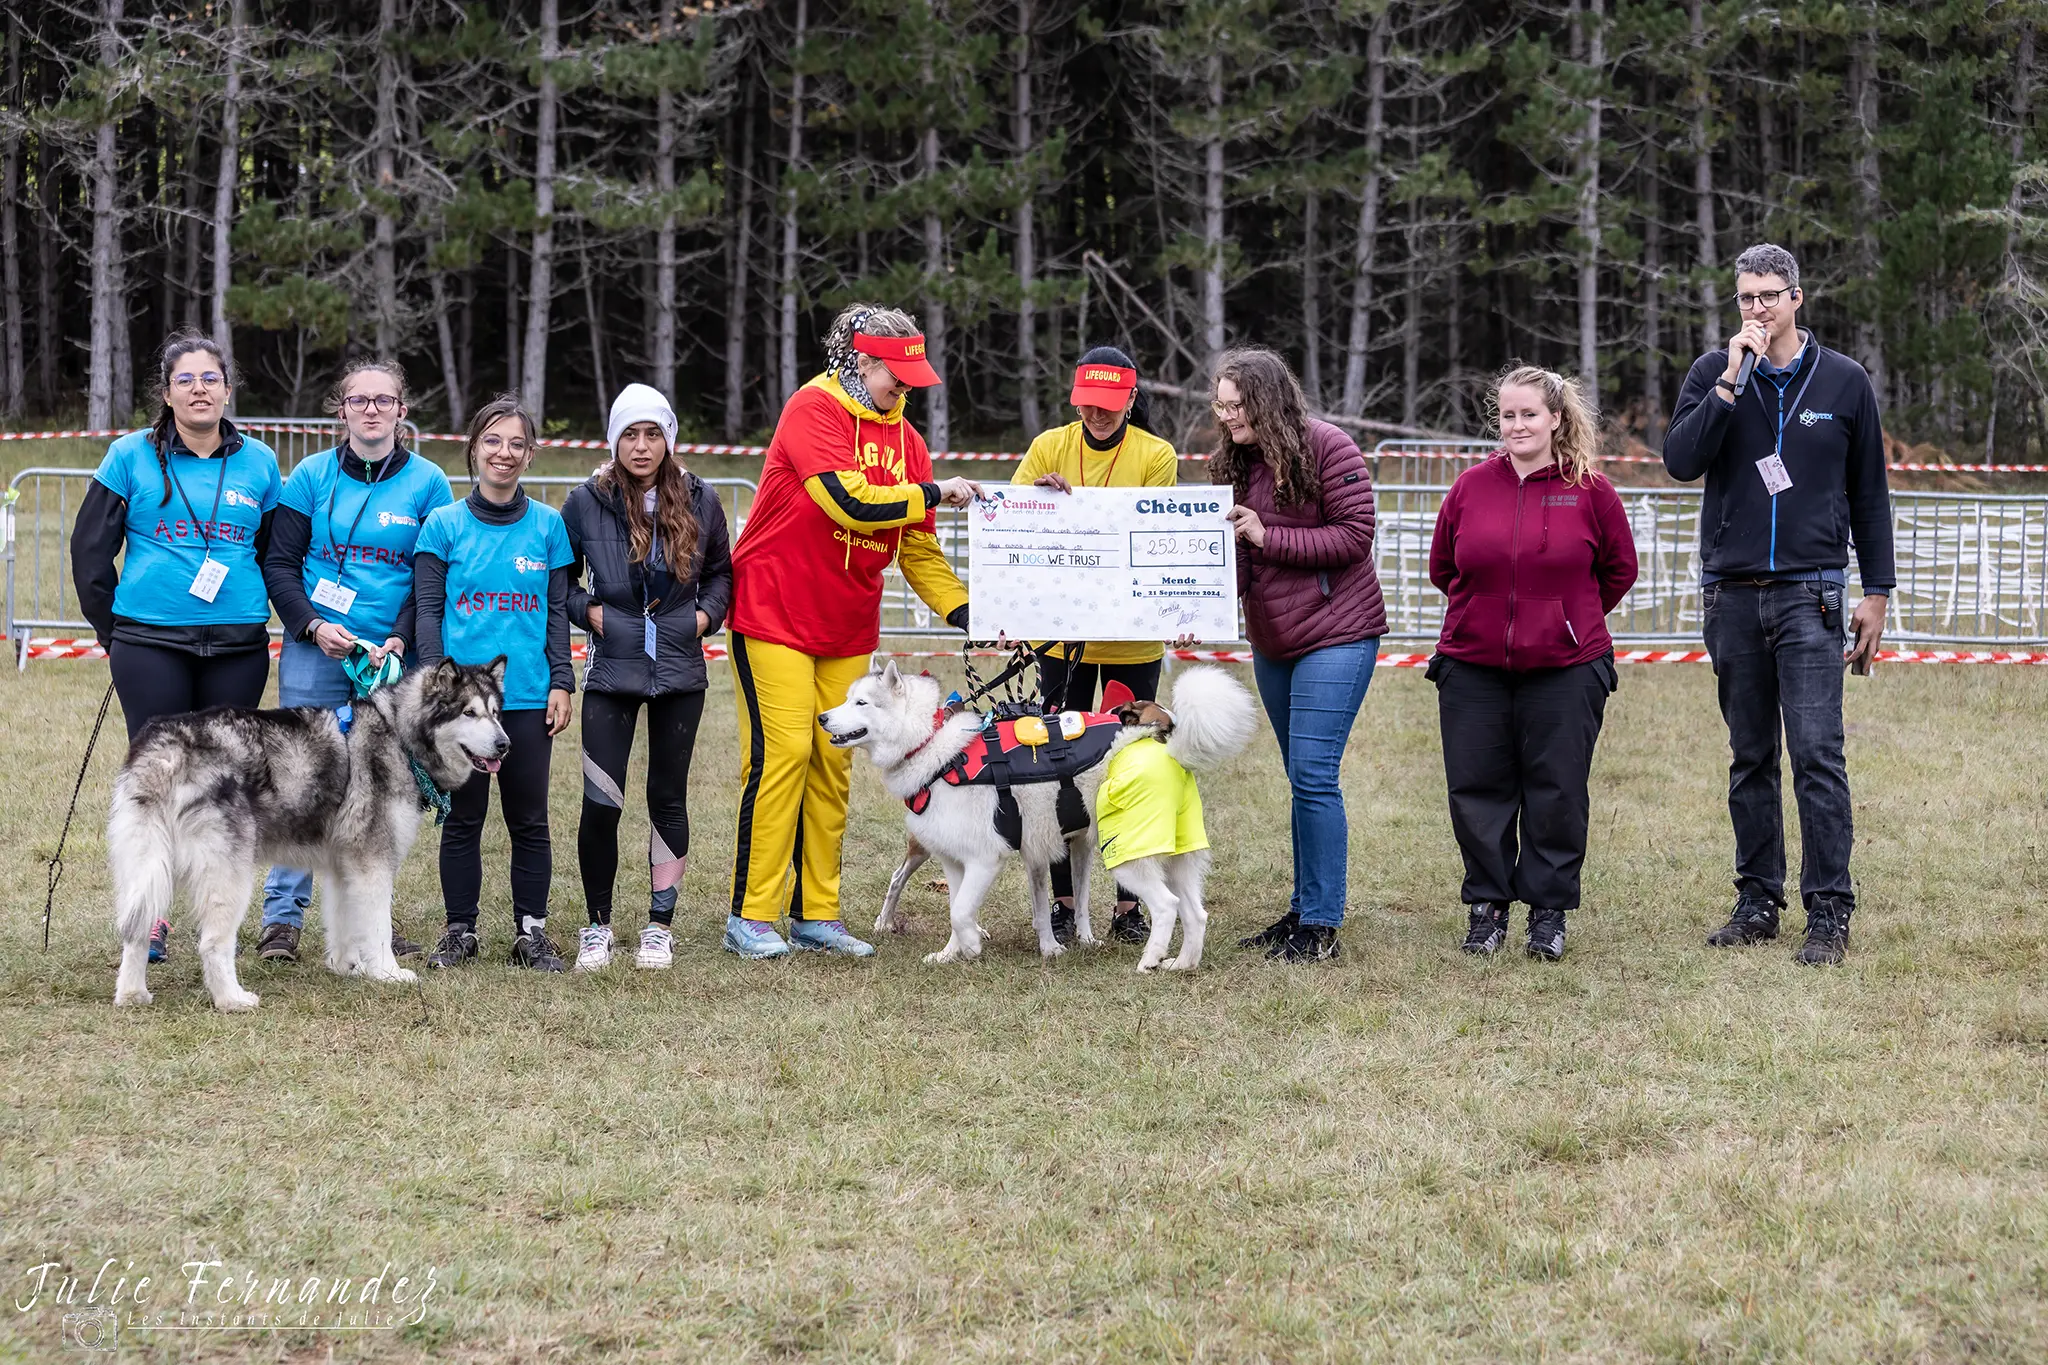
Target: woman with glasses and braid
{"x":339,"y":570}
{"x":184,"y":620}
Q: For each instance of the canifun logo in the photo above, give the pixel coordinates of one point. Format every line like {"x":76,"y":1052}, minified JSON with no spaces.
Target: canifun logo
{"x":235,"y":497}
{"x":1809,"y":417}
{"x":525,"y":565}
{"x":396,"y":519}
{"x":993,"y":505}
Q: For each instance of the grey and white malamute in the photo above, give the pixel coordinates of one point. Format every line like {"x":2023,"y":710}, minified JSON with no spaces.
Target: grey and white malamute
{"x":204,"y":799}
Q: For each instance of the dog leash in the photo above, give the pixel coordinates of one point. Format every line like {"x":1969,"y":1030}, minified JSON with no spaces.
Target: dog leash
{"x":57,"y":859}
{"x":1023,"y":656}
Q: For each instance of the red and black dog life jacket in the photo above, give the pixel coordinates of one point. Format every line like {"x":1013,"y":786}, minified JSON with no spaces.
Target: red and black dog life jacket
{"x":997,"y":758}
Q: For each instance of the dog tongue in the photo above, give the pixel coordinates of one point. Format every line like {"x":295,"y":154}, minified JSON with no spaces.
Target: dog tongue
{"x":490,"y":765}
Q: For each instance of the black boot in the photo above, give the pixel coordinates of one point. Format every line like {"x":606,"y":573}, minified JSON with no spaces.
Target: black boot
{"x":1486,"y":927}
{"x":1827,"y":933}
{"x":1276,"y":932}
{"x":1129,"y":926}
{"x":1754,"y":920}
{"x":1307,"y":943}
{"x":1546,"y":933}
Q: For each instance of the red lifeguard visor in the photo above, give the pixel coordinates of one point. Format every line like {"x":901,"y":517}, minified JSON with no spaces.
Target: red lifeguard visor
{"x":1102,"y":386}
{"x":904,"y":356}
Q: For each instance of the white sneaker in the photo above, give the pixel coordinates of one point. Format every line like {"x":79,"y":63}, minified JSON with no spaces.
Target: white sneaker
{"x":594,"y":948}
{"x":657,"y":948}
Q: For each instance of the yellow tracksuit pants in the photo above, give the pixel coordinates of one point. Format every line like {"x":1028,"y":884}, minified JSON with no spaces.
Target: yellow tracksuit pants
{"x":793,"y":783}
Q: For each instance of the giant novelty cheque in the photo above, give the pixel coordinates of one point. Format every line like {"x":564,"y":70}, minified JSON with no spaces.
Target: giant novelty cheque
{"x":1102,"y":564}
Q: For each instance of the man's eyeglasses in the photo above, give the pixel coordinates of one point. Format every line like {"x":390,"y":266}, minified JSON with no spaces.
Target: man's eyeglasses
{"x":363,"y":402}
{"x":1226,"y":409}
{"x":210,"y":379}
{"x":491,"y":445}
{"x":1763,"y":298}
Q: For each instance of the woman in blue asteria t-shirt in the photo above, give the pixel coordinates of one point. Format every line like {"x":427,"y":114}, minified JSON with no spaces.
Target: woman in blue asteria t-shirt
{"x":491,"y":577}
{"x":339,"y":570}
{"x":184,"y":620}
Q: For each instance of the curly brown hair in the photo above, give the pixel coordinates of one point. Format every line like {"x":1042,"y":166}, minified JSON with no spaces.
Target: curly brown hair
{"x":1278,"y":413}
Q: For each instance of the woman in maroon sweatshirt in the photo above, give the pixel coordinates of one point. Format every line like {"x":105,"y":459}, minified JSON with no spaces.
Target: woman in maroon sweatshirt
{"x":1533,"y":549}
{"x":1303,"y":512}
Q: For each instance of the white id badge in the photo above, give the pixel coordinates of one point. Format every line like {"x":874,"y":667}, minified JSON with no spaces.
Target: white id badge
{"x":328,"y":593}
{"x":1776,"y":480}
{"x":647,"y":635}
{"x":206,"y":583}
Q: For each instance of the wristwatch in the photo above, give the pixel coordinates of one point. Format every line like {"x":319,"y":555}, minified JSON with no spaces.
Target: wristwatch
{"x":312,"y":628}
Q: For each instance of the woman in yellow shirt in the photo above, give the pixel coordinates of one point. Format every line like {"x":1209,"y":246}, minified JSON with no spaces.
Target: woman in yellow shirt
{"x":1108,"y":448}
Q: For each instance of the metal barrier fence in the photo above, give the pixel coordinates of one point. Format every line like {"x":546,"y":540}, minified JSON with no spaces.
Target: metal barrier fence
{"x":35,"y":540}
{"x":1972,"y":567}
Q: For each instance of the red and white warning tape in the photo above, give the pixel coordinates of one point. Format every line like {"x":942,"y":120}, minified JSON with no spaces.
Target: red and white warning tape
{"x":44,"y":648}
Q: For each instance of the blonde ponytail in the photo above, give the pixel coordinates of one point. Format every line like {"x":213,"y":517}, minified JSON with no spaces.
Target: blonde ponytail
{"x":1578,"y":420}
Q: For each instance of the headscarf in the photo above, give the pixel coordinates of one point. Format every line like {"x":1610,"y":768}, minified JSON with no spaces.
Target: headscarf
{"x":843,"y":361}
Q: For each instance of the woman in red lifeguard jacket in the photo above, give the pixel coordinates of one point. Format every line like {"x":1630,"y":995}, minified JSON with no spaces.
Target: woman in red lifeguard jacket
{"x":846,"y":489}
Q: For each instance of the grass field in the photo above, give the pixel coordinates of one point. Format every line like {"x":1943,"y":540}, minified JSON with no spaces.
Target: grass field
{"x":1647,"y":1152}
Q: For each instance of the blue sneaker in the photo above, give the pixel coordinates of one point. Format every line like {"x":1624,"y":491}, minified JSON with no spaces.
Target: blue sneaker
{"x":827,"y":936}
{"x":753,"y":938}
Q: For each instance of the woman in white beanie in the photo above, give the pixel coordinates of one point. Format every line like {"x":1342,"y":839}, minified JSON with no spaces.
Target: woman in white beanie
{"x":652,"y":577}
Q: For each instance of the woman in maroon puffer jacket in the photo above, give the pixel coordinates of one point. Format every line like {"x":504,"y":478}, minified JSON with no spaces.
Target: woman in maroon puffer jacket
{"x":1533,"y":549}
{"x":1312,"y":610}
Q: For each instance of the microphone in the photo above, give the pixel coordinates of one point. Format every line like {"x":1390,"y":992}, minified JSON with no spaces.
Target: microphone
{"x":1743,"y":373}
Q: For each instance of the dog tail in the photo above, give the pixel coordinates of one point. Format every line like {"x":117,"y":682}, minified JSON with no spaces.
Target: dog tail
{"x":140,"y":855}
{"x":1213,"y":717}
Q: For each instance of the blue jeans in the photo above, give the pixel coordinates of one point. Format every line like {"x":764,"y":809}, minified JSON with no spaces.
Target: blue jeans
{"x":305,"y":677}
{"x":1312,"y":702}
{"x":1776,"y":664}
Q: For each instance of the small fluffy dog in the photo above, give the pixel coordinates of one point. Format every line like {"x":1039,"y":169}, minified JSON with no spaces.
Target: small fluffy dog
{"x":897,"y":719}
{"x":204,"y":799}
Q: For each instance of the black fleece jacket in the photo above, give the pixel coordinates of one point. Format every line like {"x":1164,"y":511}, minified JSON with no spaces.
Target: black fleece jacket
{"x":430,"y":593}
{"x":1833,"y":449}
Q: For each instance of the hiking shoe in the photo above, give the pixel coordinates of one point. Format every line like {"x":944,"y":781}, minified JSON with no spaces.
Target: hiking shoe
{"x":456,"y":947}
{"x":401,"y":946}
{"x":1754,"y":920}
{"x":594,"y":947}
{"x":1546,"y":933}
{"x":657,"y":949}
{"x":1307,"y":943}
{"x":279,"y":943}
{"x":534,"y":949}
{"x":1274,"y":933}
{"x":159,"y":940}
{"x":1063,"y":931}
{"x":1486,"y":927}
{"x":753,"y":938}
{"x":1827,"y":933}
{"x":827,"y":936}
{"x":1129,"y":926}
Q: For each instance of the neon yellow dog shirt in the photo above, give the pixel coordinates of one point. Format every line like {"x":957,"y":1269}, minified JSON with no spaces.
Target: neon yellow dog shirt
{"x":1148,"y":806}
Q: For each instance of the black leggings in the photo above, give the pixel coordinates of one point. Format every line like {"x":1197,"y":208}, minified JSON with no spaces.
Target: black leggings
{"x":523,"y":787}
{"x":153,"y":681}
{"x":1054,"y":686}
{"x":608,"y":721}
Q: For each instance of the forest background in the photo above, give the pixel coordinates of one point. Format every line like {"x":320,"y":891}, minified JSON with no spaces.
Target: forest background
{"x":1401,"y":195}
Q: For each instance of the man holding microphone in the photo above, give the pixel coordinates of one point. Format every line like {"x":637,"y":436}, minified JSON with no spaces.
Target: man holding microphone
{"x":1788,"y":436}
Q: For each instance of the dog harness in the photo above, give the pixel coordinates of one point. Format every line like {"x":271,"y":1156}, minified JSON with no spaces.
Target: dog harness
{"x":366,"y":678}
{"x":1019,"y":750}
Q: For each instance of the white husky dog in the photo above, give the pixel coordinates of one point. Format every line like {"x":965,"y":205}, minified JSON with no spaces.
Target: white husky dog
{"x":891,"y":715}
{"x":203,"y":797}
